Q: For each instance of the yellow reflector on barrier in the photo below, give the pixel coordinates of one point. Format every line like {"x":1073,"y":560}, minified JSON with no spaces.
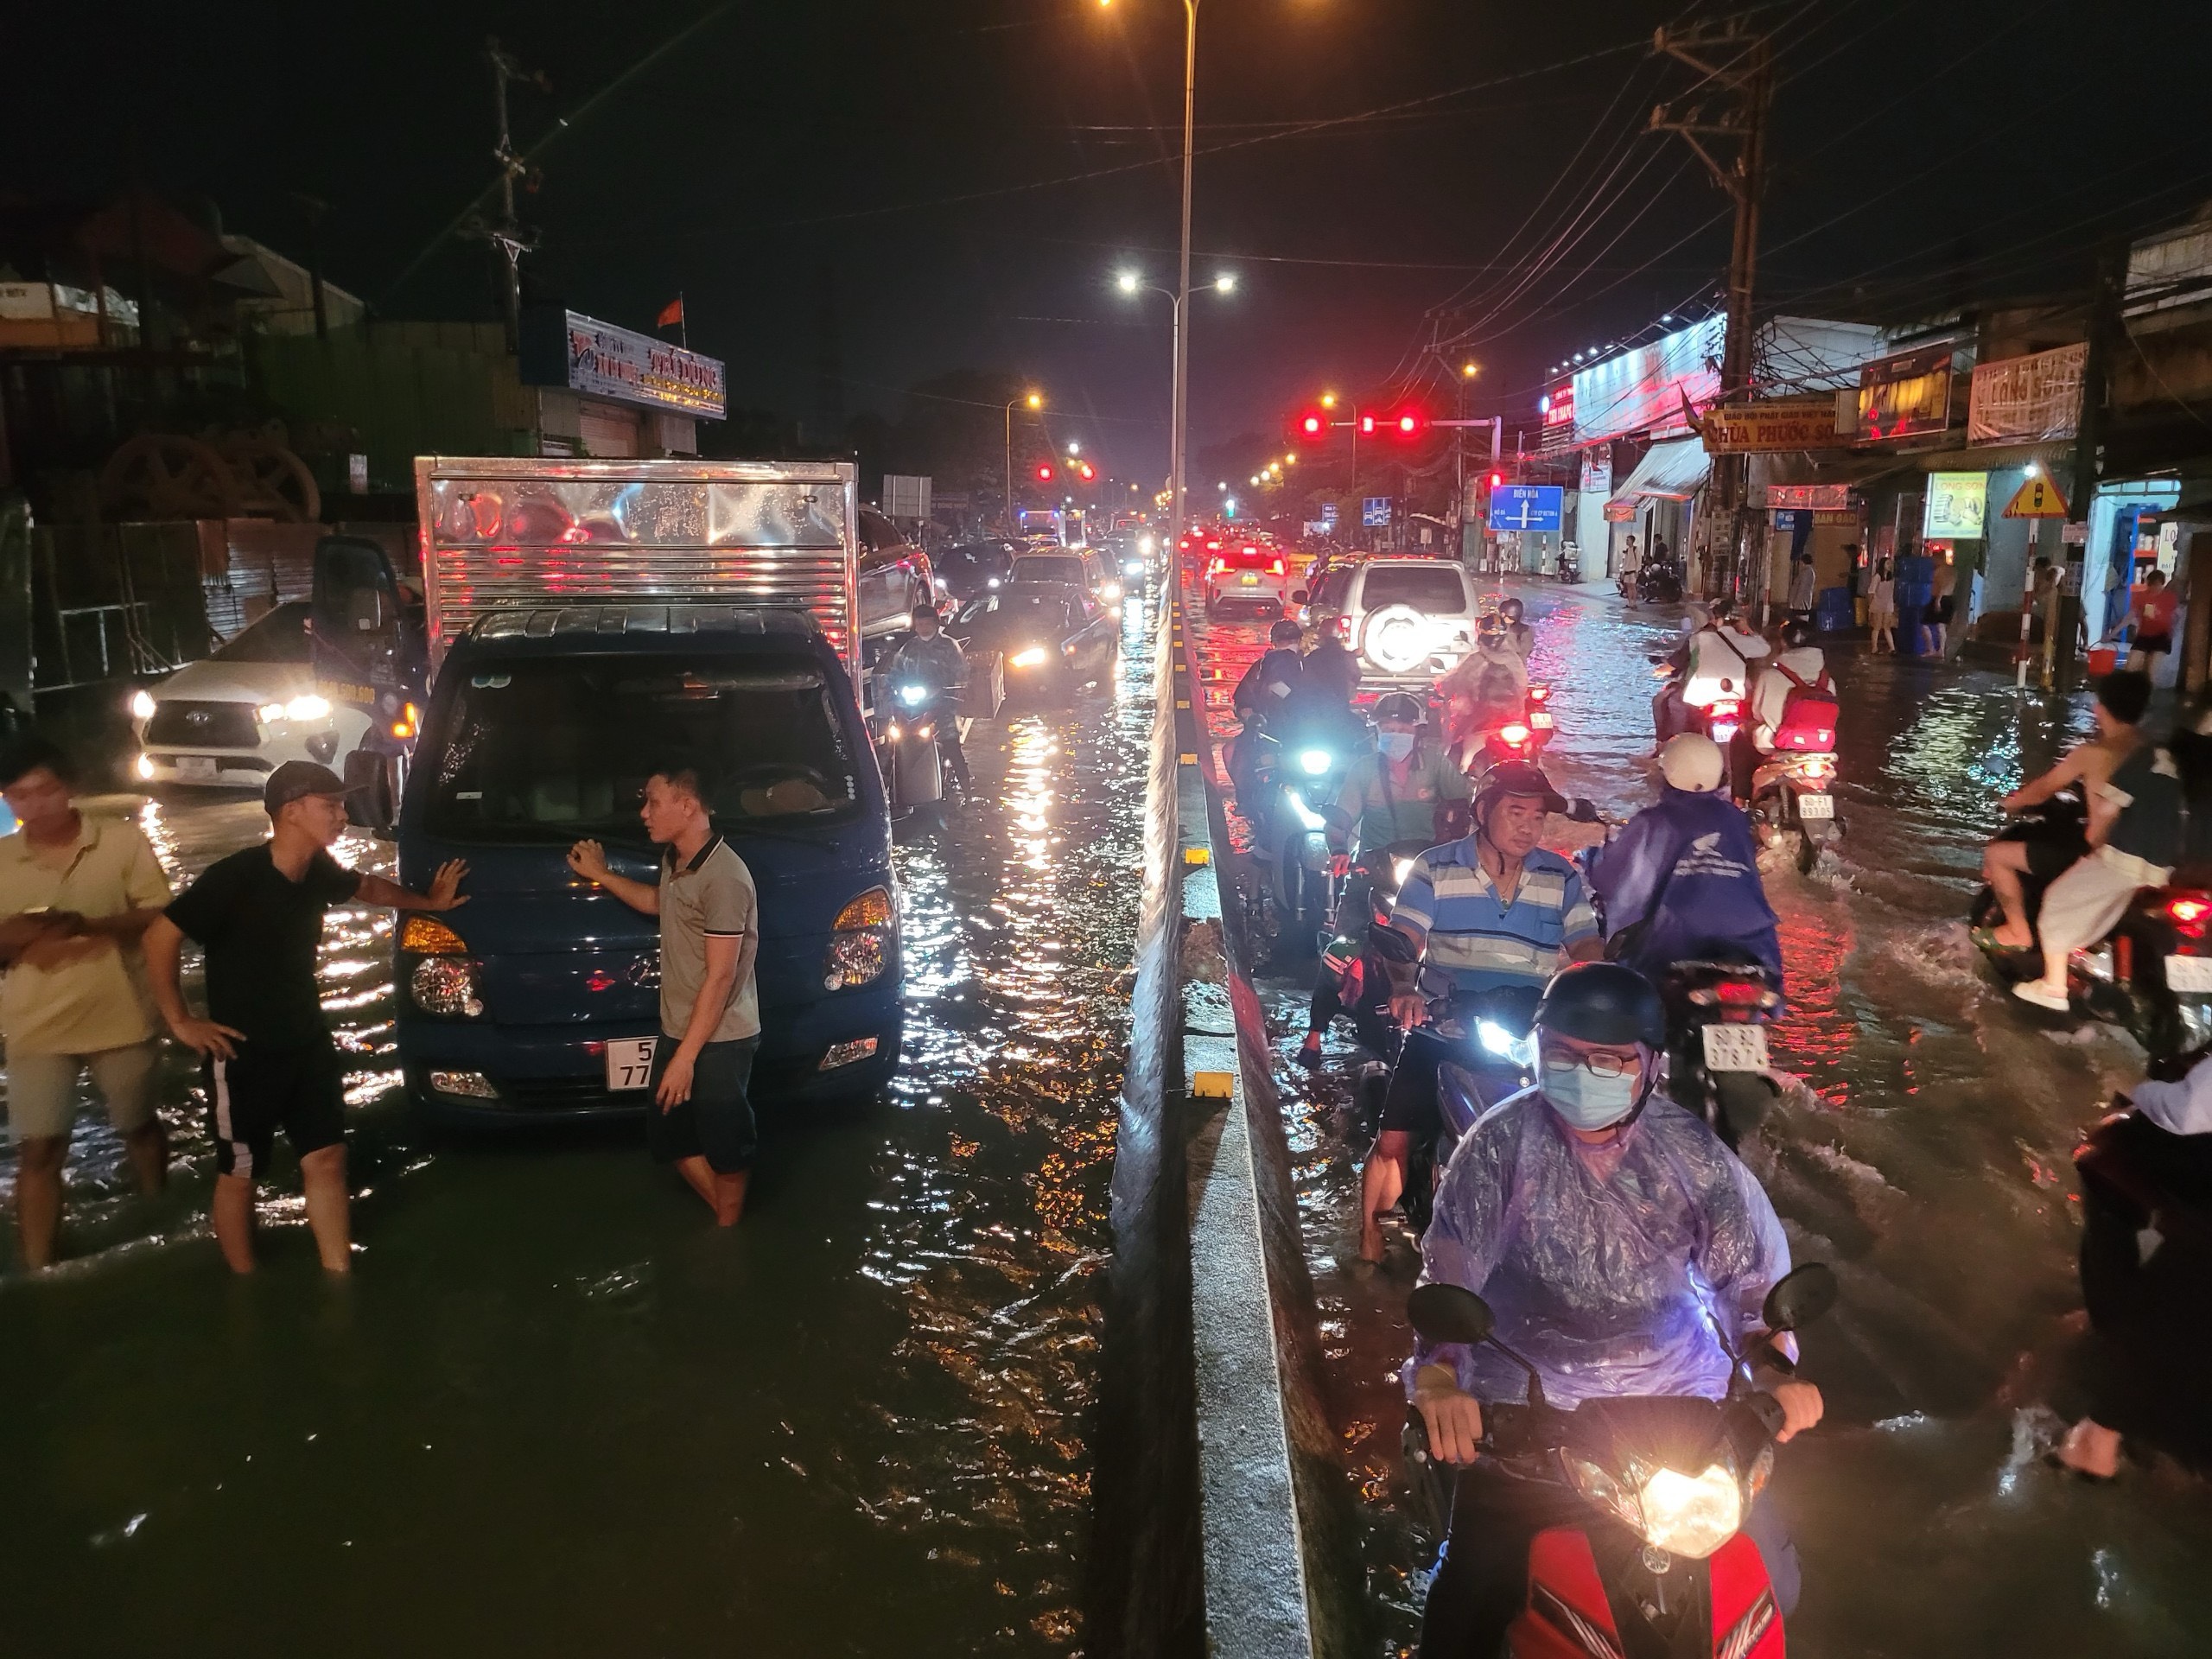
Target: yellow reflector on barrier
{"x":1198,"y":855}
{"x":1212,"y":1085}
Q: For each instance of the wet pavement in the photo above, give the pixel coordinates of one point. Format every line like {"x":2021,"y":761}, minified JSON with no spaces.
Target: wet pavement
{"x":1925,"y":1153}
{"x":554,"y":1412}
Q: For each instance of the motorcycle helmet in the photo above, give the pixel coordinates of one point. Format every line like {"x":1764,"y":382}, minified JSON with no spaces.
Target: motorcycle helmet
{"x":1604,"y":1003}
{"x":1490,"y":631}
{"x":1796,"y":636}
{"x":1511,"y":610}
{"x":1400,"y":706}
{"x":1693,"y":762}
{"x":1286,"y":633}
{"x":1510,"y":778}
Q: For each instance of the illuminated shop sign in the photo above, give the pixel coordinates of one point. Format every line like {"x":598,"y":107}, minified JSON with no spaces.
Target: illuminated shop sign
{"x":1906,"y":396}
{"x":566,"y":348}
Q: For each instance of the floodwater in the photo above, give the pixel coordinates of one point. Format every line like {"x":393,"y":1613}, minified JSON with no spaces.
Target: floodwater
{"x":554,"y":1412}
{"x":1925,"y":1155}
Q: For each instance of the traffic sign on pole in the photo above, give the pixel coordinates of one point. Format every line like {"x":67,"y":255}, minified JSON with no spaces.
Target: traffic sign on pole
{"x":1526,"y":506}
{"x":2036,"y":497}
{"x":1374,"y":511}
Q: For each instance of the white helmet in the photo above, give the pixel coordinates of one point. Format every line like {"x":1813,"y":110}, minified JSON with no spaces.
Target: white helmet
{"x":1692,"y":762}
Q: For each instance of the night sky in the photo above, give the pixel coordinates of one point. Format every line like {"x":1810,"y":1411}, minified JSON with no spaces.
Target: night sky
{"x":901,"y":190}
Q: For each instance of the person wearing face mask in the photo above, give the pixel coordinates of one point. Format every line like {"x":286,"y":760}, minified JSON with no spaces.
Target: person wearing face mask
{"x":1392,"y":795}
{"x":1611,"y":1232}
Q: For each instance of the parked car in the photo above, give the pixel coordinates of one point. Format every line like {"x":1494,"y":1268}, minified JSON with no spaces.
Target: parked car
{"x":894,"y":575}
{"x":1408,"y":620}
{"x":235,"y":717}
{"x":969,"y":570}
{"x":1052,"y":637}
{"x":1251,"y":571}
{"x":1084,"y":567}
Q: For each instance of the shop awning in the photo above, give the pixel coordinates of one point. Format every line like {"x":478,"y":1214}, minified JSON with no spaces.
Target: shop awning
{"x":1674,"y":471}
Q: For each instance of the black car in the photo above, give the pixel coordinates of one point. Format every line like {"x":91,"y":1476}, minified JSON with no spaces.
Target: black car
{"x":1053,"y":637}
{"x":972,"y":571}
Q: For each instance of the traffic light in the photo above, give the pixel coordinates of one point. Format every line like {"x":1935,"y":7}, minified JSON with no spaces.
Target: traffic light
{"x":1367,"y":426}
{"x":1407,"y":424}
{"x":1085,"y":471}
{"x":1045,"y":472}
{"x":1311,"y":426}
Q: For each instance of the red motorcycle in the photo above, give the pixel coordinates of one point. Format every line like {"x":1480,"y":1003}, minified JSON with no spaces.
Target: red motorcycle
{"x":1666,"y":1484}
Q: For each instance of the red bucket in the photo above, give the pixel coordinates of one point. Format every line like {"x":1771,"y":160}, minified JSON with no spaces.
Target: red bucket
{"x":2103,"y":659}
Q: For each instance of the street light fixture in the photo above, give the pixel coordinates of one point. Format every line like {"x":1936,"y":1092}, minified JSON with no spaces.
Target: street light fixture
{"x":1131,"y":282}
{"x":1032,"y":400}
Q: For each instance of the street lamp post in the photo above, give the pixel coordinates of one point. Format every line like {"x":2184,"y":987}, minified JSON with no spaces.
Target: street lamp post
{"x":1034,"y":401}
{"x":1181,"y":415}
{"x":1129,"y":283}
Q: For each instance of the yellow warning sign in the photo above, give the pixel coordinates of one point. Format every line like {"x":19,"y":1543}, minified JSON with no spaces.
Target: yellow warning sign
{"x":2036,"y":497}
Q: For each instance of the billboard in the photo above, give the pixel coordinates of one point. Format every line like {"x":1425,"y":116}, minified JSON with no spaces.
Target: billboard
{"x":1752,"y":428}
{"x":566,"y":348}
{"x":1906,"y":396}
{"x":1958,"y":507}
{"x":2027,"y":399}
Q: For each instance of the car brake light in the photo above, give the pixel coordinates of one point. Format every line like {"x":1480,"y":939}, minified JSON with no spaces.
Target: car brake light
{"x":1344,"y":629}
{"x":1275,"y":569}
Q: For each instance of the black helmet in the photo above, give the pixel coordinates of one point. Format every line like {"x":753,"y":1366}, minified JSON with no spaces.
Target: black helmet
{"x":1604,"y":1003}
{"x":1399,"y":706}
{"x":1511,"y":610}
{"x":1510,"y":778}
{"x":1796,"y":636}
{"x":1284,"y":633}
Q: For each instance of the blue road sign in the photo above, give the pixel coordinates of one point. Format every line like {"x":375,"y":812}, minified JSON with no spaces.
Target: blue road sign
{"x":1525,"y":507}
{"x":1328,"y":513}
{"x":1375,"y":510}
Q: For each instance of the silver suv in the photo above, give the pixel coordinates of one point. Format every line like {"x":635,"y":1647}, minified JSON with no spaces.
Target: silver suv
{"x":1409,"y":621}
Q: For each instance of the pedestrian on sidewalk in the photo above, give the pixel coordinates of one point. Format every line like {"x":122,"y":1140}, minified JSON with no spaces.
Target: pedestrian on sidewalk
{"x":1881,"y":609}
{"x":2151,"y":607}
{"x":268,"y":1058}
{"x":702,"y":1117}
{"x":1935,"y":621}
{"x":77,"y":894}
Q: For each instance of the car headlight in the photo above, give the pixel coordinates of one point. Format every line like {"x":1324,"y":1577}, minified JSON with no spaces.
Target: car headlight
{"x":446,"y":986}
{"x":1030,"y":658}
{"x":1133,"y":567}
{"x":309,"y":706}
{"x":1692,"y":1516}
{"x":269,"y":713}
{"x":863,"y":943}
{"x":1306,"y":814}
{"x":1315,"y":761}
{"x":1145,"y":544}
{"x":1111,"y":590}
{"x":142,"y":705}
{"x":991,"y":582}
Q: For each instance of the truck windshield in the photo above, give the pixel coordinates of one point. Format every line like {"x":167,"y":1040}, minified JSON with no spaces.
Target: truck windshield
{"x":562,"y":746}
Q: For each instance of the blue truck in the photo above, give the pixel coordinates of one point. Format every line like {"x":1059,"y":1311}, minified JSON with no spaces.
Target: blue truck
{"x":586,"y":622}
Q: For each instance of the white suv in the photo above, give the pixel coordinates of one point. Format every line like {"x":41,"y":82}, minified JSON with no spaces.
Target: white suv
{"x":1247,"y":572}
{"x":1409,"y":621}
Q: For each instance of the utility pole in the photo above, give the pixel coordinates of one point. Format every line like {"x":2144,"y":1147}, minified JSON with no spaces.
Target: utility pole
{"x":315,"y":209}
{"x":508,"y":235}
{"x":1730,"y":57}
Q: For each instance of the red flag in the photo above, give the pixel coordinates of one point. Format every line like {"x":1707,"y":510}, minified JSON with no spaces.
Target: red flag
{"x":670,"y":314}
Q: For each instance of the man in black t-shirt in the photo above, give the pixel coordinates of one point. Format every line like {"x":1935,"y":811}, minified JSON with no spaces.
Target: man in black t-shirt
{"x":270,"y":1062}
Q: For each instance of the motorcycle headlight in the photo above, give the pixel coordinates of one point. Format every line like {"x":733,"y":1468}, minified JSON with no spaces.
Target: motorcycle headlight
{"x":1497,"y":1039}
{"x":447,"y":986}
{"x":911,"y":695}
{"x":1305,"y":815}
{"x":1691,"y":1515}
{"x":1601,"y":1489}
{"x":991,"y":582}
{"x":309,"y":706}
{"x":1315,"y":761}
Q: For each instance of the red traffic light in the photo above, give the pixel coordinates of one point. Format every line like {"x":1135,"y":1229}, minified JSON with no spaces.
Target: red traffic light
{"x":1367,"y":426}
{"x":1407,"y":424}
{"x":1313,"y":424}
{"x":1496,"y":479}
{"x":1085,"y":471}
{"x":1044,"y":471}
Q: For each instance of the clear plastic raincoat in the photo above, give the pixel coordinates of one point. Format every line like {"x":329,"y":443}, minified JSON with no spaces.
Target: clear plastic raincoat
{"x":1608,"y":1266}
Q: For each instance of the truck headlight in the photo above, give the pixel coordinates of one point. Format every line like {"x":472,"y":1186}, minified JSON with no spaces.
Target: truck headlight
{"x":309,"y":706}
{"x":863,"y":942}
{"x":447,"y":986}
{"x":142,"y":705}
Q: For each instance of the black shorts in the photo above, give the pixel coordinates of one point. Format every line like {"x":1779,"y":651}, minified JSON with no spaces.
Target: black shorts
{"x":716,"y":1123}
{"x":2153,"y":644}
{"x":299,"y":1090}
{"x":1945,"y":608}
{"x":1410,"y":1103}
{"x":2048,"y":859}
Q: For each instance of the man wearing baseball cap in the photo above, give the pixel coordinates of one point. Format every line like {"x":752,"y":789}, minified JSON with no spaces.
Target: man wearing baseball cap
{"x":269,"y":1063}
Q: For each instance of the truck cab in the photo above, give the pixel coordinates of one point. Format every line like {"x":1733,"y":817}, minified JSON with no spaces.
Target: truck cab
{"x":591,"y":623}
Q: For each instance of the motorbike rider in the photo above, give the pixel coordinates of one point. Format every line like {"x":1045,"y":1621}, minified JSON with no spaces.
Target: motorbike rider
{"x":1610,"y":1231}
{"x":1391,"y":795}
{"x":1681,"y":882}
{"x":1518,"y":633}
{"x":1491,"y":910}
{"x":1268,"y":684}
{"x":1713,"y":662}
{"x":2122,"y":697}
{"x":934,"y":658}
{"x":1487,"y":687}
{"x":1799,"y":665}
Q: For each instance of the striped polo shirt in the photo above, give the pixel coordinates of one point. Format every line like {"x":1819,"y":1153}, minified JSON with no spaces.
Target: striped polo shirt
{"x":1482,"y":942}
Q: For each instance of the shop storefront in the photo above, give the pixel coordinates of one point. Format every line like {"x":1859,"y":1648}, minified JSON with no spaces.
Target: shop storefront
{"x":608,"y":393}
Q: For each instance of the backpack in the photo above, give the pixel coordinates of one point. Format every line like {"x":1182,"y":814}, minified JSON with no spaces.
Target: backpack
{"x":1808,"y":713}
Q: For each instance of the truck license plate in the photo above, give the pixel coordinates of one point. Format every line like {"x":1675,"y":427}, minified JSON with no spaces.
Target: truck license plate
{"x":629,"y":1062}
{"x":2189,"y":973}
{"x":1816,"y":806}
{"x":196,"y":765}
{"x":1735,"y":1048}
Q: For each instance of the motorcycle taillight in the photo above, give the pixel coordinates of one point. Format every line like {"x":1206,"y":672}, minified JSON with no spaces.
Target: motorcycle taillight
{"x":1725,"y":708}
{"x":1739,"y":993}
{"x":2190,"y":913}
{"x":1538,"y":693}
{"x":1515,"y":736}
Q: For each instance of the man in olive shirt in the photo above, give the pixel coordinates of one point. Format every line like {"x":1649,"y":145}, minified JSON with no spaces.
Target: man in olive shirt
{"x":709,"y":1010}
{"x":76,"y":895}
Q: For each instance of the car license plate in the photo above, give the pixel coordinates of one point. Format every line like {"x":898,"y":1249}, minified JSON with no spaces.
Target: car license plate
{"x":1540,"y":722}
{"x":1735,"y":1048}
{"x":1816,"y":806}
{"x":196,"y":765}
{"x":2189,"y":973}
{"x":1248,"y":581}
{"x":629,"y":1062}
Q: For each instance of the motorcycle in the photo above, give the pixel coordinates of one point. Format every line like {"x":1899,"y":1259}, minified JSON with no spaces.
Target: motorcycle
{"x":1660,"y":1565}
{"x":2146,"y":1222}
{"x":1569,"y":568}
{"x":907,"y":740}
{"x":2061,"y":822}
{"x":1309,"y":776}
{"x":1717,"y":1063}
{"x":1363,"y":984}
{"x":1658,"y":582}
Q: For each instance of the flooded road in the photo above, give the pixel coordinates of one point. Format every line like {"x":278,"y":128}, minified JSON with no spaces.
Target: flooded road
{"x":1926,"y":1155}
{"x":554,"y":1412}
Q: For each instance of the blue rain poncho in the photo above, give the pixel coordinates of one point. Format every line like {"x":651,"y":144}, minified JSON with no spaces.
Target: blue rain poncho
{"x":1606,"y":1265}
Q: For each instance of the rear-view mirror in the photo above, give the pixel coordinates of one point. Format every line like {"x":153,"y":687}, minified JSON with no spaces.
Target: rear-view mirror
{"x":1800,"y":1296}
{"x":1447,"y":1313}
{"x":1581,"y":809}
{"x":1298,"y":595}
